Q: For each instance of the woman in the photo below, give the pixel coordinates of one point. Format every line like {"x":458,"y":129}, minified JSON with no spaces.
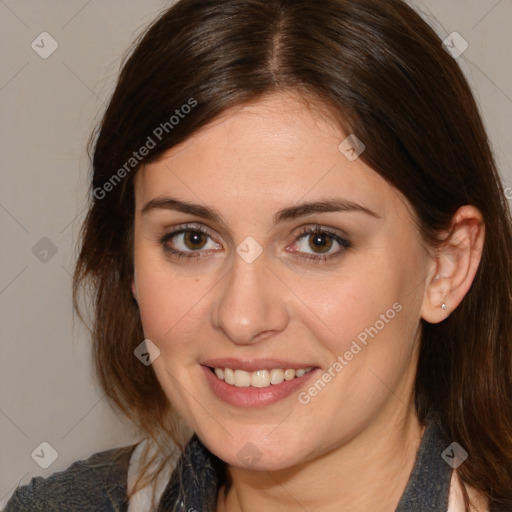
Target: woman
{"x":299,"y":244}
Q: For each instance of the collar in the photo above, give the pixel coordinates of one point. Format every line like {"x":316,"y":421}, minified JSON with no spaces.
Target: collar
{"x":428,"y":487}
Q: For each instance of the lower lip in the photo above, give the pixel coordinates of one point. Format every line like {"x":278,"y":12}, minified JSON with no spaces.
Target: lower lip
{"x":255,"y":397}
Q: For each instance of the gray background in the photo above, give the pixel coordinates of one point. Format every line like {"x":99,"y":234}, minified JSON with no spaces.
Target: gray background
{"x":48,"y":109}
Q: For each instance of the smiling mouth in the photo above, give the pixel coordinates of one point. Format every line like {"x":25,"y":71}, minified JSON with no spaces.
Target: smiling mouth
{"x":259,"y":378}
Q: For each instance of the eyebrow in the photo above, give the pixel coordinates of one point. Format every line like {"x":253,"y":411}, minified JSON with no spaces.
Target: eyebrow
{"x":286,"y":214}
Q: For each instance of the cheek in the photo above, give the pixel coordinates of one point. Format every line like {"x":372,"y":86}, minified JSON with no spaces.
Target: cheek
{"x":167,"y":303}
{"x":346,"y":305}
{"x":168,"y":312}
{"x":369,"y":325}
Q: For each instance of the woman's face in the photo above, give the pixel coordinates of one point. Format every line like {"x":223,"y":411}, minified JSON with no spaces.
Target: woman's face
{"x":254,"y":291}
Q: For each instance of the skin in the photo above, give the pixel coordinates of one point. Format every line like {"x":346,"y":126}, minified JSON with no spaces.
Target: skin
{"x":353,"y":446}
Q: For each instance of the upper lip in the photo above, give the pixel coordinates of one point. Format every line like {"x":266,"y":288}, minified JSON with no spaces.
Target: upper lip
{"x":255,"y":364}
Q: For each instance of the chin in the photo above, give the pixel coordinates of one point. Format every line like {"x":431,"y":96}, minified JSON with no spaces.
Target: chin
{"x":258,"y":452}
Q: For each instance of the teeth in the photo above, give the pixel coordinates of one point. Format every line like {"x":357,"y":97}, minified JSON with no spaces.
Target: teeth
{"x":260,"y":378}
{"x":276,"y":376}
{"x":289,"y":374}
{"x":242,"y":379}
{"x":229,"y":376}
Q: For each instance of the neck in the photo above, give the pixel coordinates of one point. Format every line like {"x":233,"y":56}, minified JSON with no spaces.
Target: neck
{"x":368,"y":473}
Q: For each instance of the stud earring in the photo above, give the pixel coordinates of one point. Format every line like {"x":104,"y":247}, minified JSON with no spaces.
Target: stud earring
{"x":443,"y":306}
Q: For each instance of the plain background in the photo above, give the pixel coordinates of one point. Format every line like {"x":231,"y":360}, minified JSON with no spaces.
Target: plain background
{"x":48,"y":110}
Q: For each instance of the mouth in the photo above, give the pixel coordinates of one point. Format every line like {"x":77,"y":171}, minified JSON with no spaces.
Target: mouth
{"x":258,"y":383}
{"x":259,"y":378}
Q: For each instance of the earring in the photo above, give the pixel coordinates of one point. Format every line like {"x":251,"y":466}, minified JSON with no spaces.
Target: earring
{"x":443,"y":306}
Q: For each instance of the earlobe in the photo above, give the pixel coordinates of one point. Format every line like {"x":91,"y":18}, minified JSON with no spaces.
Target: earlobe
{"x":456,"y":263}
{"x":437,"y":297}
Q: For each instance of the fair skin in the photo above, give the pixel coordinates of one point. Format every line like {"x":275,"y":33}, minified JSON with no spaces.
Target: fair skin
{"x":353,"y":445}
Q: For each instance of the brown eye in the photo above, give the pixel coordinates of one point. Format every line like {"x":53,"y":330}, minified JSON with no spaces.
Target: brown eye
{"x":189,"y":242}
{"x":321,"y":241}
{"x":194,"y":239}
{"x":314,"y":245}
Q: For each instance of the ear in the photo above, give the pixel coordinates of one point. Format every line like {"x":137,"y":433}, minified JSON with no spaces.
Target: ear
{"x":455,"y":265}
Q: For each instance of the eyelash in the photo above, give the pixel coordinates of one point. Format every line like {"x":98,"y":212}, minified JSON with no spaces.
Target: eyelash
{"x":319,"y":258}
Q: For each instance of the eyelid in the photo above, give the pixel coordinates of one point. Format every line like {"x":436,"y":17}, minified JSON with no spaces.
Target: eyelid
{"x":307,"y":228}
{"x":312,"y":228}
{"x":189,"y":226}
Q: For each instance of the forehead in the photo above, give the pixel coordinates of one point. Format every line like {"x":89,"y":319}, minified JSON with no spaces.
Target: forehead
{"x":278,"y":150}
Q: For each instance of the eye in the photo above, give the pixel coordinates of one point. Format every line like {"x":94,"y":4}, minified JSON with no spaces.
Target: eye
{"x":188,"y":241}
{"x":191,"y":241}
{"x":320,"y":241}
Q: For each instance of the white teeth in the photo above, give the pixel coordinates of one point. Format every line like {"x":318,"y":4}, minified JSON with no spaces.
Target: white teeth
{"x":260,"y":378}
{"x":242,"y":379}
{"x":229,"y":376}
{"x":276,"y":376}
{"x":289,"y":374}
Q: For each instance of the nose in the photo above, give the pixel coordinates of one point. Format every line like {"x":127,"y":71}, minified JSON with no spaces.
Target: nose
{"x":251,"y":302}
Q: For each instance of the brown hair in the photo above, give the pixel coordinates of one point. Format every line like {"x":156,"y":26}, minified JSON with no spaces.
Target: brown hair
{"x":383,"y":72}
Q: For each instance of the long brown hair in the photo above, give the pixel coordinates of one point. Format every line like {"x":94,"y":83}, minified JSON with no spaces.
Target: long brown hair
{"x":382,"y":71}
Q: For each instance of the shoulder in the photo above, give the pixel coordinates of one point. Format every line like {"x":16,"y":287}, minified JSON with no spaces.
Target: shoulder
{"x":97,"y":483}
